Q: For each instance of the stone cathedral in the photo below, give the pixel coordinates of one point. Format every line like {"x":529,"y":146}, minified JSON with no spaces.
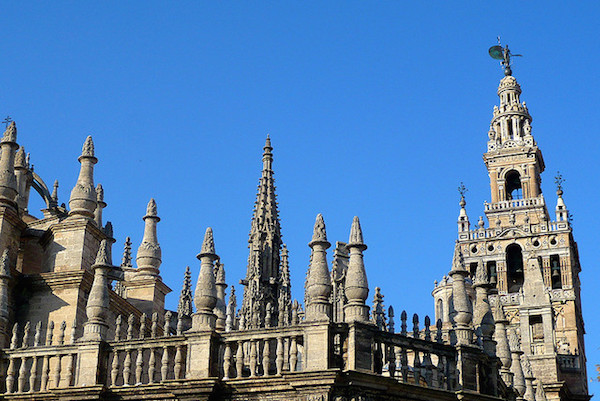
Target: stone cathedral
{"x":75,"y":325}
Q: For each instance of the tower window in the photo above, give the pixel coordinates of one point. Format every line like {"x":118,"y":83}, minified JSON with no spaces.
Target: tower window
{"x":555,"y":271}
{"x":514,"y":262}
{"x":439,"y":310}
{"x":513,"y":185}
{"x":537,"y":328}
{"x":491,"y":270}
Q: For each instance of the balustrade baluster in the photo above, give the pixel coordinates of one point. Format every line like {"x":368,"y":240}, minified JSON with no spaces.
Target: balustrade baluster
{"x":73,"y":331}
{"x":61,"y":333}
{"x":404,"y":362}
{"x":417,"y":368}
{"x":441,"y":371}
{"x":114,"y":371}
{"x":58,"y":369}
{"x":178,"y":362}
{"x":226,"y":361}
{"x":127,"y":368}
{"x":45,"y":370}
{"x":33,"y":373}
{"x":279,"y":353}
{"x":10,"y":375}
{"x":70,"y":365}
{"x":286,"y":353}
{"x":428,"y":368}
{"x":164,"y":368}
{"x":398,"y":358}
{"x":152,"y":365}
{"x":293,"y":354}
{"x":167,"y":326}
{"x":239,"y":359}
{"x":253,"y":358}
{"x":266,"y":358}
{"x":22,"y":375}
{"x":438,"y":332}
{"x":390,"y":359}
{"x":139,"y":365}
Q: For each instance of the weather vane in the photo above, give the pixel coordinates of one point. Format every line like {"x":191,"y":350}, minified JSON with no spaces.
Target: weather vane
{"x":462,"y":190}
{"x":7,"y":121}
{"x":503,"y":54}
{"x":559,"y":180}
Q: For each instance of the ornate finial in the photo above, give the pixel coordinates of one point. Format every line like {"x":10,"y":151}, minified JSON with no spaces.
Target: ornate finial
{"x":151,"y":209}
{"x":459,"y":261}
{"x":513,"y":341}
{"x":319,"y":234}
{"x":268,"y":143}
{"x":88,"y":147}
{"x":219,"y":273}
{"x":540,"y":393}
{"x":7,"y":121}
{"x":481,"y":223}
{"x":103,"y":255}
{"x":21,"y":158}
{"x":99,"y":193}
{"x":208,"y":245}
{"x":185,"y":299}
{"x":108,"y":230}
{"x":356,"y":236}
{"x":126,"y":261}
{"x":54,"y":195}
{"x":559,"y":180}
{"x":462,"y":190}
{"x":10,"y":134}
{"x":391,"y":319}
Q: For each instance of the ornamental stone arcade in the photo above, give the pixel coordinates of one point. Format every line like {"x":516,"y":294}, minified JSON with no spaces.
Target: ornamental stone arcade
{"x":74,"y":326}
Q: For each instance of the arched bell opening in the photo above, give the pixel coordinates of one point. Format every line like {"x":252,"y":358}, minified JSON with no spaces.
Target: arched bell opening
{"x":513,"y":185}
{"x":514,"y":263}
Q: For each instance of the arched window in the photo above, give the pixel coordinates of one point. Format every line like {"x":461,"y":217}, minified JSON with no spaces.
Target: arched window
{"x":514,"y":262}
{"x":513,"y":185}
{"x":439,"y":310}
{"x":555,"y":271}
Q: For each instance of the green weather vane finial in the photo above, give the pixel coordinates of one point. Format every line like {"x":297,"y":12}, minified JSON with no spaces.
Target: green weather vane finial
{"x":462,"y":190}
{"x":503,"y":54}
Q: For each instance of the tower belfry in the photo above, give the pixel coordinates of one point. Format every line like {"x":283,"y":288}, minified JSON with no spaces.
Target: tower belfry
{"x":529,"y":256}
{"x":263,"y":286}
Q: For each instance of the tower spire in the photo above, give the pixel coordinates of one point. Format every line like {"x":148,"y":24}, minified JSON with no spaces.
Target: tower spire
{"x":83,"y":196}
{"x":263,"y":276}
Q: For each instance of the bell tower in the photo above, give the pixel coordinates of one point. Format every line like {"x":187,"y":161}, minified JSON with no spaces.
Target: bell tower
{"x":530,"y":256}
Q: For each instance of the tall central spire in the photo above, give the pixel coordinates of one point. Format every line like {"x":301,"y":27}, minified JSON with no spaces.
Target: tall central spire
{"x":263,"y":277}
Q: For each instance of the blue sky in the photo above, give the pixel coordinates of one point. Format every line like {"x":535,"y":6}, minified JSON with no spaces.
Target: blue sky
{"x":375,"y":109}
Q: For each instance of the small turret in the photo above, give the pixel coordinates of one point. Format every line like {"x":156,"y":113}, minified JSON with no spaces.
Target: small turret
{"x":230,"y":323}
{"x":8,"y":180}
{"x":562,"y":213}
{"x":149,"y":253}
{"x":184,"y":308}
{"x":482,"y":314}
{"x":463,"y":317}
{"x":24,"y":178}
{"x":356,"y":285}
{"x":318,"y":283}
{"x":502,"y":347}
{"x":284,"y":298}
{"x":221,"y":307}
{"x":54,"y":195}
{"x":516,"y":368}
{"x":98,"y":301}
{"x":126,"y":259}
{"x":83,"y":195}
{"x":205,"y":296}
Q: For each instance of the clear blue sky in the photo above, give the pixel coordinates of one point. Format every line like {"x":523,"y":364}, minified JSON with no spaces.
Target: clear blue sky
{"x":376,"y":109}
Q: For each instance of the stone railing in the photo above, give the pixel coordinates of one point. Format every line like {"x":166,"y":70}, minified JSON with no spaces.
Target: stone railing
{"x":569,"y":363}
{"x":263,"y":352}
{"x":416,"y":361}
{"x":147,"y":361}
{"x":514,"y":204}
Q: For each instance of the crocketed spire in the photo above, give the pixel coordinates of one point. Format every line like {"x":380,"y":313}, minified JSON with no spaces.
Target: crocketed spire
{"x":285,"y":290}
{"x":205,"y":296}
{"x":98,"y":301}
{"x":263,"y":276}
{"x":502,"y":347}
{"x":8,"y":181}
{"x":356,"y":285}
{"x":318,"y":282}
{"x":482,"y":314}
{"x":230,"y":323}
{"x":149,"y":253}
{"x":184,"y":308}
{"x":83,"y":195}
{"x":516,"y":368}
{"x":126,"y":260}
